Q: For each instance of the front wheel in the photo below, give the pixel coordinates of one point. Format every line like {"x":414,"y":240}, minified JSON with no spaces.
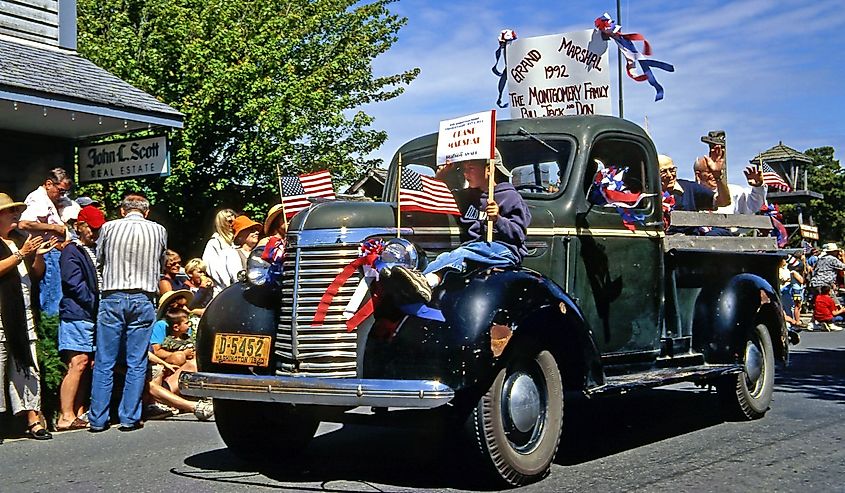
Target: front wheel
{"x":747,"y":395}
{"x":259,"y":431}
{"x":516,"y":425}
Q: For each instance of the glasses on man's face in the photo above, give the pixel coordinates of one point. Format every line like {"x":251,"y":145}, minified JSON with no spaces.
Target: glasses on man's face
{"x":61,"y":190}
{"x":668,"y":171}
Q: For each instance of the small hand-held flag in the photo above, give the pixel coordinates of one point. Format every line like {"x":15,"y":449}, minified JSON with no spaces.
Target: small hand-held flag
{"x":297,"y":190}
{"x":424,"y":194}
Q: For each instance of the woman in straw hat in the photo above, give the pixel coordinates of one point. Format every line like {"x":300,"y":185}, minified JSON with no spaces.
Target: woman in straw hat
{"x":247,"y":233}
{"x":21,"y":266}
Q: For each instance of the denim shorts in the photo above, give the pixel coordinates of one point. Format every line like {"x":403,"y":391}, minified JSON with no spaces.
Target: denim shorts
{"x":76,"y":335}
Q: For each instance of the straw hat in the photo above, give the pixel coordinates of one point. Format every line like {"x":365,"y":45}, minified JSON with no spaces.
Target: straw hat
{"x":243,"y":223}
{"x":271,"y":216}
{"x":168,"y":298}
{"x":830,"y":247}
{"x":6,"y":202}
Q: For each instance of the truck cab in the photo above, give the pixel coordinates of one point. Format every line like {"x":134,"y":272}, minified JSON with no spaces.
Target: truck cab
{"x":598,"y":306}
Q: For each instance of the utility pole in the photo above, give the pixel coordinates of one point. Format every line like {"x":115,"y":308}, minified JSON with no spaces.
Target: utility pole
{"x":619,"y":58}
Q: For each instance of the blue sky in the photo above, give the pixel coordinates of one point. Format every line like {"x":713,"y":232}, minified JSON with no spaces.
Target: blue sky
{"x":762,"y":70}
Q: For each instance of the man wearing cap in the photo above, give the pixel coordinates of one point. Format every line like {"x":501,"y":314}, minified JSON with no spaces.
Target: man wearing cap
{"x":130,"y":256}
{"x":78,"y":313}
{"x":828,"y":264}
{"x":47,"y":210}
{"x":743,"y":200}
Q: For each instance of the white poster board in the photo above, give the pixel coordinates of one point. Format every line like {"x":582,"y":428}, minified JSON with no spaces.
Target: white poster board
{"x":559,"y":74}
{"x":467,"y":137}
{"x":124,"y":159}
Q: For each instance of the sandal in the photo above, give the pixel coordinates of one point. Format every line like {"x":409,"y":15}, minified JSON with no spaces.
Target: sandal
{"x":76,"y":424}
{"x":40,"y":434}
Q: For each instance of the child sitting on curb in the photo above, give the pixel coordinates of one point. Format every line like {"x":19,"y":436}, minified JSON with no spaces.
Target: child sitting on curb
{"x":510,"y":216}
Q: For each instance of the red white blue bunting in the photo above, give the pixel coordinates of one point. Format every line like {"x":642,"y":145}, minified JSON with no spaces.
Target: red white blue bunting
{"x":609,"y":190}
{"x":505,"y":38}
{"x":610,"y":30}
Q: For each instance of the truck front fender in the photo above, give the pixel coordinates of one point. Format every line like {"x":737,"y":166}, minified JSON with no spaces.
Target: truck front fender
{"x":458,"y":351}
{"x":724,"y":315}
{"x":238,"y":309}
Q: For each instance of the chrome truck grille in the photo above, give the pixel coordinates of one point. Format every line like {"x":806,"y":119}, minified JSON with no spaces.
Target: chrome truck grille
{"x":324,"y":351}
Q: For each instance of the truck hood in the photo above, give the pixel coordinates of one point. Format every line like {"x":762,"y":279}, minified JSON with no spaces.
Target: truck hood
{"x":345,"y":214}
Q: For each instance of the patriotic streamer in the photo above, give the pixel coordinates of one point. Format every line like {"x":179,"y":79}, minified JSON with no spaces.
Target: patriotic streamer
{"x":610,"y":30}
{"x":778,"y":229}
{"x":505,"y":38}
{"x":668,"y":207}
{"x":274,"y":253}
{"x":369,"y":255}
{"x":609,"y":190}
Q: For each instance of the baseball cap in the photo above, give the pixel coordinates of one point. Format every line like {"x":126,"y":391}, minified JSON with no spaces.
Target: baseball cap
{"x":83,"y":201}
{"x":92,"y":216}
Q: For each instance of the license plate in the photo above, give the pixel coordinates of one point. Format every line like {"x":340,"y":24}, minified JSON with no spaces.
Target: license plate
{"x":239,"y":349}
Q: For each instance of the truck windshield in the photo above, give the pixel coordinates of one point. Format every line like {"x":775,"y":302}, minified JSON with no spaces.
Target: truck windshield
{"x":537,"y":166}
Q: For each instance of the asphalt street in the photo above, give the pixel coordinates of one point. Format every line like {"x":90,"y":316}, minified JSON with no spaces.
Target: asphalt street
{"x":670,"y":439}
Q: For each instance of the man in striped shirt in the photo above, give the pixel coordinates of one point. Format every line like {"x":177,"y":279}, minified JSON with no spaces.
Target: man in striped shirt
{"x":130,"y":256}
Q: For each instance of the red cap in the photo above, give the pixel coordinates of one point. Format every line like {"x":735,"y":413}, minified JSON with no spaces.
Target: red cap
{"x":92,"y":216}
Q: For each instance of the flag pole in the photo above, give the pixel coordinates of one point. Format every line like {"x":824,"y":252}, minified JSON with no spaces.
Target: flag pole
{"x":492,"y":172}
{"x":281,"y":195}
{"x":490,"y":184}
{"x":399,"y":198}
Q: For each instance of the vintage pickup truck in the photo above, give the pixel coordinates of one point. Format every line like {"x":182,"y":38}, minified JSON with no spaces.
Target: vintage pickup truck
{"x":595,"y":308}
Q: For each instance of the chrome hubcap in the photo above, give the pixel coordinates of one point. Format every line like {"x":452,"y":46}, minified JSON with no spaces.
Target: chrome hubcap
{"x":523,"y":403}
{"x":753,"y":364}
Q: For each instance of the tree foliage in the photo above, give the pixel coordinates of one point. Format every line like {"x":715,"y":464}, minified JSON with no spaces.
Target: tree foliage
{"x":261,"y":84}
{"x":826,"y":176}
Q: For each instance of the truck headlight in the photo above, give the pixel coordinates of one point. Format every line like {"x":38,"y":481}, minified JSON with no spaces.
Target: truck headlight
{"x":399,"y":251}
{"x":257,"y":267}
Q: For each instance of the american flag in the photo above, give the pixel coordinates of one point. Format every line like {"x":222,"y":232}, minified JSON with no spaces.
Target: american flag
{"x":773,"y":179}
{"x":421,"y":193}
{"x":296,"y":190}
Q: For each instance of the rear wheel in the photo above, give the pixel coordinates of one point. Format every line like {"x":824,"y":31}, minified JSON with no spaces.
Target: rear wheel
{"x":262,"y":430}
{"x":516,"y":425}
{"x":747,"y":395}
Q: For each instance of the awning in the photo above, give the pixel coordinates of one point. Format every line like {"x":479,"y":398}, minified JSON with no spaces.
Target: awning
{"x":49,"y":91}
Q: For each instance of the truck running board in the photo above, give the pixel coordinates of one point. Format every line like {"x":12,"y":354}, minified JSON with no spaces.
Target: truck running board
{"x":621,"y":384}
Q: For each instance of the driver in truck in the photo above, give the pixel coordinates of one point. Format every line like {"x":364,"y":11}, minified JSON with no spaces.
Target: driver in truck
{"x":507,"y":210}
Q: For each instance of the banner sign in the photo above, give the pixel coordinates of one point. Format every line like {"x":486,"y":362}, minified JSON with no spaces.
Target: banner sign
{"x":468,"y":137}
{"x":559,"y":74}
{"x":809,"y":232}
{"x":124,"y":159}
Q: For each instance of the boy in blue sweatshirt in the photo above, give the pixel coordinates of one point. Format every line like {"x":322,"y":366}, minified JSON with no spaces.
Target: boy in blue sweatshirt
{"x":510,"y":217}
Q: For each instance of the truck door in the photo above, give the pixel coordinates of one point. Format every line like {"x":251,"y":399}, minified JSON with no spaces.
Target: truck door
{"x":618,"y":269}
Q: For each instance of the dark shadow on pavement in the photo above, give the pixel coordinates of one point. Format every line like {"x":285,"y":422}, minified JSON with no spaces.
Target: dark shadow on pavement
{"x":816,"y":372}
{"x":595,"y":428}
{"x":370,"y":456}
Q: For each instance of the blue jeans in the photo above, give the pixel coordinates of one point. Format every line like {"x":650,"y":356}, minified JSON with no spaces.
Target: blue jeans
{"x":493,"y":254}
{"x":124,"y":323}
{"x":51,"y":284}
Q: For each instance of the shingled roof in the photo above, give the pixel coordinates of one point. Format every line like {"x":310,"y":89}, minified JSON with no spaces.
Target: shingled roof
{"x":68,"y":76}
{"x":781,"y":154}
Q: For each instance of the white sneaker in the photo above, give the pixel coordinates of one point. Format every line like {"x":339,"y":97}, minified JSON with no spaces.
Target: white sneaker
{"x":833,"y":327}
{"x":204,"y":410}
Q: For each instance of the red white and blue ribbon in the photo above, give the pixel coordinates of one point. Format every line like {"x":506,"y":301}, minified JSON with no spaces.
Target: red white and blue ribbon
{"x":609,"y":190}
{"x":369,"y":255}
{"x":610,"y":30}
{"x":505,"y":38}
{"x":668,"y":207}
{"x":778,"y":229}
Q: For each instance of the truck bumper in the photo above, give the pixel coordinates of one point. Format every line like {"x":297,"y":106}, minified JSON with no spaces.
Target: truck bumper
{"x":422,"y":394}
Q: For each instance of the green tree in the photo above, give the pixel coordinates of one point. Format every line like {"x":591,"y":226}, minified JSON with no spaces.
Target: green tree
{"x":826,"y":176}
{"x":261,"y":84}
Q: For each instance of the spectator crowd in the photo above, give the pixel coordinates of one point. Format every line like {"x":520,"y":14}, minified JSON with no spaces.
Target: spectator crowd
{"x":127,"y":305}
